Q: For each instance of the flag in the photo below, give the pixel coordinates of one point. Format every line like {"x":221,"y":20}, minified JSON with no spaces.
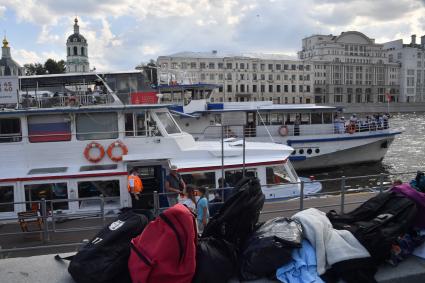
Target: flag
{"x":388,"y":96}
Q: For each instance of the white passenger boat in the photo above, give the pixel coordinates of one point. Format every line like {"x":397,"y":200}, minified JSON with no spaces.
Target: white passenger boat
{"x":77,"y":145}
{"x":319,"y":137}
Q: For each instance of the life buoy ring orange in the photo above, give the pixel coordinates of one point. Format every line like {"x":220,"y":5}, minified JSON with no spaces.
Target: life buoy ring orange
{"x":119,"y":144}
{"x":91,"y":158}
{"x":283,"y":130}
{"x":351,"y":129}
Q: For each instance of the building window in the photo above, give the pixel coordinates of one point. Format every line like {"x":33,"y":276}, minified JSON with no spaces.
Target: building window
{"x":93,"y":189}
{"x":229,"y":76}
{"x":69,"y":51}
{"x":263,"y":88}
{"x":229,"y":88}
{"x":212,"y":77}
{"x":52,"y":191}
{"x":285,"y":88}
{"x":49,"y":128}
{"x":241,"y":66}
{"x":211,"y":65}
{"x":75,"y":51}
{"x":270,"y":77}
{"x":254,"y":88}
{"x":262,"y":67}
{"x":97,"y":126}
{"x":286,"y":67}
{"x":278,"y":88}
{"x":270,"y":88}
{"x":293,"y":88}
{"x":220,"y":65}
{"x":254,"y":77}
{"x":278,"y":67}
{"x":82,"y":51}
{"x":228,"y":65}
{"x":202,"y":65}
{"x":193,"y":65}
{"x":263,"y":77}
{"x":10,"y":130}
{"x":6,"y":196}
{"x":270,"y":67}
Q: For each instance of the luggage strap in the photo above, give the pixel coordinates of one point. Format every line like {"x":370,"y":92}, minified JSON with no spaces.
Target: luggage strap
{"x":173,"y":227}
{"x":58,"y":257}
{"x":140,"y":255}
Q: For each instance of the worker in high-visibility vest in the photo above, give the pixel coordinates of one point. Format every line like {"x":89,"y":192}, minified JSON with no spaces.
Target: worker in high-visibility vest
{"x":135,"y":187}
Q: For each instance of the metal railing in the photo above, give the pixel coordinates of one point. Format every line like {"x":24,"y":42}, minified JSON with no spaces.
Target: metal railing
{"x":27,"y":101}
{"x":338,"y":188}
{"x":214,"y":131}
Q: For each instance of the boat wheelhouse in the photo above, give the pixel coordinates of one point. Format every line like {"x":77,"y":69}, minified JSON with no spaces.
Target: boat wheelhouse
{"x":72,"y":149}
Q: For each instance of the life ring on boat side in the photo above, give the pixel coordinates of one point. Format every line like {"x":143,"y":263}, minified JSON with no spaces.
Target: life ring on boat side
{"x":91,"y":158}
{"x":351,"y":129}
{"x":120,"y":145}
{"x":283,"y":130}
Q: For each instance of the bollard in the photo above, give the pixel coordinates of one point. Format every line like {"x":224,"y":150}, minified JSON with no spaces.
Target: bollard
{"x":342,"y":194}
{"x":44,"y":217}
{"x":381,"y":182}
{"x":302,"y":196}
{"x":156,"y":203}
{"x":102,"y":209}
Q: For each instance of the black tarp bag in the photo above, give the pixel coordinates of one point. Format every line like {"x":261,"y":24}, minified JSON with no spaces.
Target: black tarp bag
{"x":105,"y":258}
{"x":237,"y":218}
{"x":269,"y":248}
{"x":378,"y":222}
{"x":216,"y":261}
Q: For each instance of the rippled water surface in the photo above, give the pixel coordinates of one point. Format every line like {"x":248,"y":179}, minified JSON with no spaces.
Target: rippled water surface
{"x":406,"y":154}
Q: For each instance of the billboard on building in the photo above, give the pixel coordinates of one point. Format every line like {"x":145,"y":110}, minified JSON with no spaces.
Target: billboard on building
{"x":9,"y":87}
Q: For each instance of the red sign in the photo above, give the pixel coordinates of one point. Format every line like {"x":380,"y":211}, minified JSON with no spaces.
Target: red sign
{"x":148,"y":97}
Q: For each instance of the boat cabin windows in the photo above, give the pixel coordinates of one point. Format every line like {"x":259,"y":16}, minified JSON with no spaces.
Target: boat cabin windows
{"x":47,"y":170}
{"x":140,"y":124}
{"x":316,"y":118}
{"x":204,"y":179}
{"x":49,"y":128}
{"x":10,"y":130}
{"x":6,"y":199}
{"x":232,"y":177}
{"x":290,"y":118}
{"x":110,"y":189}
{"x":168,"y":122}
{"x":327,"y":118}
{"x":53,"y":191}
{"x":276,"y":119}
{"x":276,"y":175}
{"x":97,"y":126}
{"x":98,"y":167}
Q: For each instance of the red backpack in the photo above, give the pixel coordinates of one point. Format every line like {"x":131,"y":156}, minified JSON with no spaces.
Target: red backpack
{"x":166,"y":250}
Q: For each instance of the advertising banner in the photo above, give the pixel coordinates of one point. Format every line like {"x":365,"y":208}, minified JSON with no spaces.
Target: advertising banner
{"x":9,"y":87}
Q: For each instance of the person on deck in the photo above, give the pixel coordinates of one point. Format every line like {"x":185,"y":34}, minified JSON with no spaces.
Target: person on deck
{"x":202,"y":209}
{"x":135,"y":187}
{"x":174,"y":185}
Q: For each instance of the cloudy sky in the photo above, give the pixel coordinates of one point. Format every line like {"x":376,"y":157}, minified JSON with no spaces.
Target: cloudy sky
{"x":123,"y":33}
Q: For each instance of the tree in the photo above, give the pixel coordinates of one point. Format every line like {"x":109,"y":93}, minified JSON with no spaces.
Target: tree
{"x":149,"y":70}
{"x":53,"y":67}
{"x":49,"y":67}
{"x":34,"y":69}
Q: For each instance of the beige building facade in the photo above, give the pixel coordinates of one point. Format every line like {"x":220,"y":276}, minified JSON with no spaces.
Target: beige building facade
{"x":247,"y":77}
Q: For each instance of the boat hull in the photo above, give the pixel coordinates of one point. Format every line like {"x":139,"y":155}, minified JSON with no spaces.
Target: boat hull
{"x":373,"y":151}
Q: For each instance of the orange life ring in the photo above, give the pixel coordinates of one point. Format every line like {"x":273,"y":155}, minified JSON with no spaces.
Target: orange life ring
{"x":119,"y":144}
{"x":283,"y":130}
{"x":88,"y":149}
{"x":351,"y":129}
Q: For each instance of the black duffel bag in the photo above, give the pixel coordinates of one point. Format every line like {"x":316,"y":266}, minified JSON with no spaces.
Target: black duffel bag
{"x":269,"y":248}
{"x":216,"y":261}
{"x":105,"y":258}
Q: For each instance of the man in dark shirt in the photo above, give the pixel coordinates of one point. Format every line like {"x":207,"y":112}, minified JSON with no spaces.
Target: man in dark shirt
{"x":174,"y":184}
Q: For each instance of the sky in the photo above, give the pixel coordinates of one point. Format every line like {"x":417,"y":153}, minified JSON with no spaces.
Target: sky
{"x":122,"y":34}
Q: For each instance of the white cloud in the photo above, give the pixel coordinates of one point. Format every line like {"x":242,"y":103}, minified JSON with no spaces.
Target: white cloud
{"x":123,"y":33}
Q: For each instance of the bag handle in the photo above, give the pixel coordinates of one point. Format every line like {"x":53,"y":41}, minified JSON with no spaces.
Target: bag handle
{"x":171,"y":225}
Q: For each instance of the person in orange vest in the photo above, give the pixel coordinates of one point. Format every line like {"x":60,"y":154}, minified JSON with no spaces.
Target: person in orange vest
{"x":135,"y":187}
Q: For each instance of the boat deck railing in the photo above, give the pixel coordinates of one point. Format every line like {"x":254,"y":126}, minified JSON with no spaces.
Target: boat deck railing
{"x":237,"y":131}
{"x":60,"y":229}
{"x":71,"y":100}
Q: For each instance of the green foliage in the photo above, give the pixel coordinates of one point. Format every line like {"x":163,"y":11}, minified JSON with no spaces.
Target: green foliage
{"x":49,"y":67}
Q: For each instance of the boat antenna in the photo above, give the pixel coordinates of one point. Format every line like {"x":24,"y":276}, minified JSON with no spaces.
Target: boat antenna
{"x":265,"y":126}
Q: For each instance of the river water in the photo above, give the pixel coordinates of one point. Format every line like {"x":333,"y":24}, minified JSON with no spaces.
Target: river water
{"x":406,"y":154}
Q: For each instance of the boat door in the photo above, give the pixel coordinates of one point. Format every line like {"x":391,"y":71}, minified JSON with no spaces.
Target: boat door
{"x":251,"y":124}
{"x":153,"y":180}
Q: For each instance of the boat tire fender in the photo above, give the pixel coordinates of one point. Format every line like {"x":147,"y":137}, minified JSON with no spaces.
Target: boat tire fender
{"x":91,"y":158}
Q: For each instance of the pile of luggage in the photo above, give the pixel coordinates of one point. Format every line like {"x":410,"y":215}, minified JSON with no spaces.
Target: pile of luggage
{"x":311,"y":246}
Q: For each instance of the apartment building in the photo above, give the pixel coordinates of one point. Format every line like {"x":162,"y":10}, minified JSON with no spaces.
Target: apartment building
{"x":350,"y":68}
{"x":411,"y":58}
{"x":246,"y":77}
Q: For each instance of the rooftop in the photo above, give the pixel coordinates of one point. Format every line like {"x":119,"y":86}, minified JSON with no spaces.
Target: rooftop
{"x":217,"y":55}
